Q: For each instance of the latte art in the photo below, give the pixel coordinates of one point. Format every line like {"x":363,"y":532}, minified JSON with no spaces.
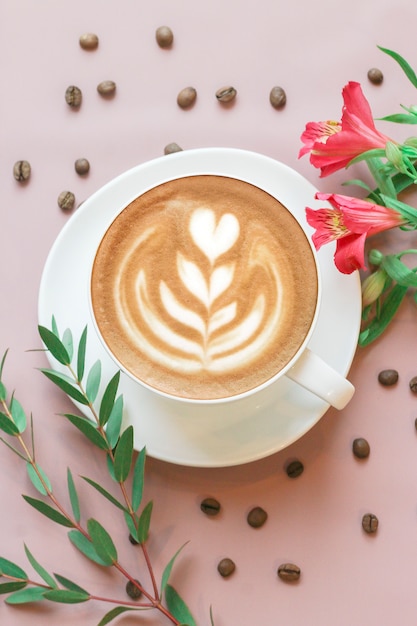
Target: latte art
{"x":204,"y":287}
{"x":214,"y":338}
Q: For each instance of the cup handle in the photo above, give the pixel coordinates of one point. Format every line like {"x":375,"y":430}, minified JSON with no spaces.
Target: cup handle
{"x":312,"y":373}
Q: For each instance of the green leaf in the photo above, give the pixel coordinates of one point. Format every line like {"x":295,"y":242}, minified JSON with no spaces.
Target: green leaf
{"x":7,"y":568}
{"x":48,"y":511}
{"x":9,"y":587}
{"x":88,"y":429}
{"x":54,"y":345}
{"x":6,"y":443}
{"x":167,"y":571}
{"x":407,"y":69}
{"x":138,"y":479}
{"x":54,"y":326}
{"x":93,"y":381}
{"x":65,"y":386}
{"x":108,"y":399}
{"x":81,"y":354}
{"x":61,"y":375}
{"x":123,"y":455}
{"x":36,"y":481}
{"x":145,"y":522}
{"x":177,"y":607}
{"x":85,"y":546}
{"x":398,"y":271}
{"x":75,"y":503}
{"x":66,"y":596}
{"x":25,"y":596}
{"x":18,"y":415}
{"x":68,"y":342}
{"x":358,"y":182}
{"x":39,"y":569}
{"x":111,"y":615}
{"x":114,"y":423}
{"x":3,"y":360}
{"x":110,"y":467}
{"x":7,"y":426}
{"x":399,"y":118}
{"x":409,"y":212}
{"x":3,"y":392}
{"x":104,"y":493}
{"x":132,"y":523}
{"x":369,"y":154}
{"x":383,"y":180}
{"x":102,"y":542}
{"x":69,"y":584}
{"x":379,"y":323}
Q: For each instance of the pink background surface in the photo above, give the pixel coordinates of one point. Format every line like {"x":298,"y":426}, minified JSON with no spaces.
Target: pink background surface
{"x":311,"y":50}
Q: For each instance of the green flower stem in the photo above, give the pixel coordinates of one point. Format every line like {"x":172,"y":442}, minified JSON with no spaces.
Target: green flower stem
{"x":404,"y":252}
{"x":384,"y":183}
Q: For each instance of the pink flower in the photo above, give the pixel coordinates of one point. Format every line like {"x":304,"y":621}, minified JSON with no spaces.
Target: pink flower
{"x":350,"y":222}
{"x":333,"y":145}
{"x":318,"y":132}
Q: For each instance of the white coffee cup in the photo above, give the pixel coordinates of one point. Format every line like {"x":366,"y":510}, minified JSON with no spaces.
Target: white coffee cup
{"x":305,"y":367}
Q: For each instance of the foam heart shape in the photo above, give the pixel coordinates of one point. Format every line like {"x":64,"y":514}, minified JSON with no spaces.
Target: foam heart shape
{"x":213,"y":239}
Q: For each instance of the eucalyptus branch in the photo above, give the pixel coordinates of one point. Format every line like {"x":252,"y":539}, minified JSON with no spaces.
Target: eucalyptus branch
{"x":104,"y":430}
{"x":110,"y":451}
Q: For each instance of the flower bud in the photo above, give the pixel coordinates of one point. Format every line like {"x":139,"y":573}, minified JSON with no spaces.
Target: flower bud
{"x":373,"y":286}
{"x":394,"y":156}
{"x":411,"y":141}
{"x":375,"y":257}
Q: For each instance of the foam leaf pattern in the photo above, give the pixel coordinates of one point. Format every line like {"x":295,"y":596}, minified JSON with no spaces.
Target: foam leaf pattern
{"x":203,"y":322}
{"x":213,"y":239}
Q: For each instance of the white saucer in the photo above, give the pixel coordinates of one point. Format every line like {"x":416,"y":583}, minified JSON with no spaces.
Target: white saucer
{"x":207,"y":436}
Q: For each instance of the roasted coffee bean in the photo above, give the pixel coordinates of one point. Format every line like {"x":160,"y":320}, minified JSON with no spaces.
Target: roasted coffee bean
{"x":186,"y":97}
{"x":88,"y":41}
{"x":226,"y":567}
{"x":170,"y":148}
{"x":361,"y":448}
{"x":82,"y":166}
{"x":289,"y":572}
{"x":210,"y":506}
{"x":133,"y":540}
{"x":226,"y":94}
{"x":21,"y":170}
{"x":375,"y":76}
{"x":132,"y":590}
{"x":73,"y":96}
{"x":66,"y":200}
{"x":106,"y":88}
{"x":277,"y":97}
{"x":388,"y":377}
{"x":257,"y":517}
{"x":294,"y":469}
{"x":164,"y":36}
{"x":370,"y":523}
{"x":413,"y":384}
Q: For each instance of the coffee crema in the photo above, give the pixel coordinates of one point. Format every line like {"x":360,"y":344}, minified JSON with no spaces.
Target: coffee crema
{"x":204,"y":287}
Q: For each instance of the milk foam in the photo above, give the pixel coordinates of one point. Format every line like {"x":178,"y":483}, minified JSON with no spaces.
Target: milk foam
{"x":195,"y":289}
{"x":211,"y":350}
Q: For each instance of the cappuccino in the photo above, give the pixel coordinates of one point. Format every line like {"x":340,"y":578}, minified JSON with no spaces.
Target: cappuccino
{"x":204,"y":287}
